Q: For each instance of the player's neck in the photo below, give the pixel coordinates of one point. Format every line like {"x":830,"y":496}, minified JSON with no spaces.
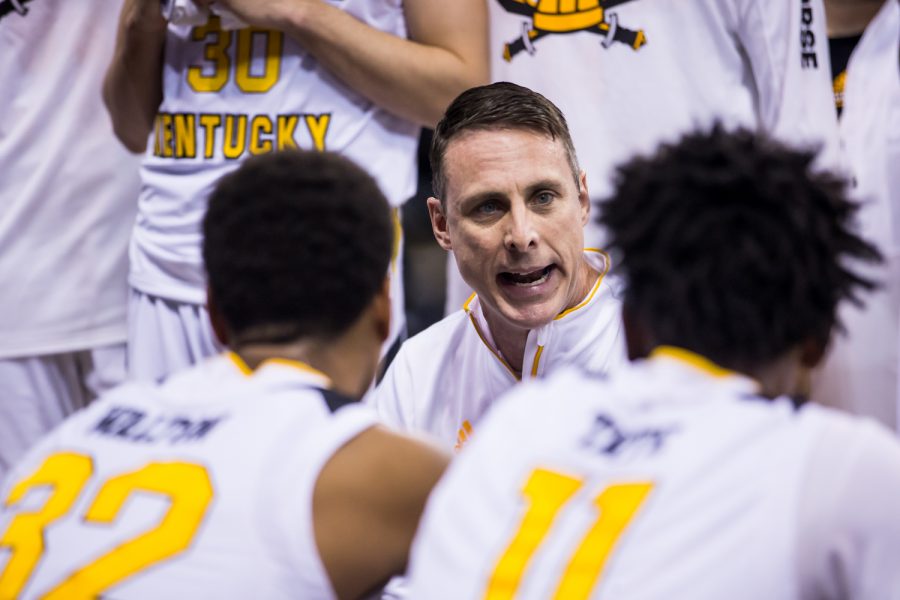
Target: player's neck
{"x":349,"y":365}
{"x":846,"y":18}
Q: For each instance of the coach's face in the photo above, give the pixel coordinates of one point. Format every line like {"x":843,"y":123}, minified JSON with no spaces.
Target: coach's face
{"x":514,"y":217}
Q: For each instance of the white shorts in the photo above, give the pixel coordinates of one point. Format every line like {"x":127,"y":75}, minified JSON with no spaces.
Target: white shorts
{"x":38,"y":392}
{"x":165,"y":336}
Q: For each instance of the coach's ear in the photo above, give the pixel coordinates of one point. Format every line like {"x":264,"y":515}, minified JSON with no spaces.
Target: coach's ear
{"x":584,"y":198}
{"x":439,"y":223}
{"x":215,"y":317}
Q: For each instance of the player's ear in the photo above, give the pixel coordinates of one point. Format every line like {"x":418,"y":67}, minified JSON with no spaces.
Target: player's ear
{"x":437,"y":214}
{"x":812,"y":351}
{"x":584,"y":198}
{"x":219,"y":327}
{"x":381,"y":310}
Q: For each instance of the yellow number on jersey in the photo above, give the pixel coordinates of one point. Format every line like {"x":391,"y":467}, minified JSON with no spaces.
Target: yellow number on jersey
{"x":216,"y":52}
{"x":187,"y":487}
{"x":212,"y":77}
{"x":547,"y":493}
{"x":65,"y":474}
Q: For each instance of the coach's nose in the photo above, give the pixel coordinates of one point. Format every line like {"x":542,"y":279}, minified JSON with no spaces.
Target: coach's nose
{"x":521,"y":233}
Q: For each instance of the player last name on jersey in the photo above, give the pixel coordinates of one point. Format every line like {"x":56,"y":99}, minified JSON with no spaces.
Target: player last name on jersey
{"x":207,"y":135}
{"x":136,"y":426}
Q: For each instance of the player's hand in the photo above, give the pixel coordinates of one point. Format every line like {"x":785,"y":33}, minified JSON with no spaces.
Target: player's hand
{"x":267,"y":14}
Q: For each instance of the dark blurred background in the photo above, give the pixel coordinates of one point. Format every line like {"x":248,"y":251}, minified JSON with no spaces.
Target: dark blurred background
{"x":424,"y":262}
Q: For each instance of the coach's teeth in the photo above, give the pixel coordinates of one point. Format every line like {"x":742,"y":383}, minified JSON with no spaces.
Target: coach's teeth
{"x":532,"y":278}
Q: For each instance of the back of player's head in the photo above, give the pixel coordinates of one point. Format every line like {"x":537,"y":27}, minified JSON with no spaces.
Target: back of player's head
{"x":296,"y":244}
{"x":731,"y":246}
{"x":501,"y":105}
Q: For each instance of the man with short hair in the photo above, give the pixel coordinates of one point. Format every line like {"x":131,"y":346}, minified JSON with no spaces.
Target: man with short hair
{"x":696,"y":472}
{"x":249,"y":475}
{"x":511,"y":204}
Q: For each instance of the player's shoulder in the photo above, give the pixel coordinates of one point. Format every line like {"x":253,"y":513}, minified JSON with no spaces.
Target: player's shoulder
{"x":836,"y":432}
{"x":543,"y":404}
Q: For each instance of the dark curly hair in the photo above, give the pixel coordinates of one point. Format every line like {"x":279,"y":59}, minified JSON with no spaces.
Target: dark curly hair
{"x":500,"y":105}
{"x":296,"y":244}
{"x":732,"y":247}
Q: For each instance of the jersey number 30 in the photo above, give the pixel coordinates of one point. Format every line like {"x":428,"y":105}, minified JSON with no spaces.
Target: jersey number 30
{"x":186,"y":485}
{"x":547,"y":493}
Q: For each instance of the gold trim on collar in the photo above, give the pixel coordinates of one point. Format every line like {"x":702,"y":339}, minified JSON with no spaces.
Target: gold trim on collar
{"x":606,"y":265}
{"x":692,"y":359}
{"x":484,"y":339}
{"x":245,"y":369}
{"x":238,"y":362}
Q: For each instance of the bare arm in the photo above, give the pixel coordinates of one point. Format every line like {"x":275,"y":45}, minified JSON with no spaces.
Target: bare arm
{"x":416,"y":78}
{"x":132,"y":89}
{"x":366,"y":507}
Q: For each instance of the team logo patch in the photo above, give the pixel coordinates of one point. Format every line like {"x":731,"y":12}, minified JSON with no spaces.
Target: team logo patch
{"x":556,"y":17}
{"x":10,"y":6}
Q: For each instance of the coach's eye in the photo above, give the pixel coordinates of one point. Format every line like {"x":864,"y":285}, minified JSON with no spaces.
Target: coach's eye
{"x":488,"y":207}
{"x":543,"y":198}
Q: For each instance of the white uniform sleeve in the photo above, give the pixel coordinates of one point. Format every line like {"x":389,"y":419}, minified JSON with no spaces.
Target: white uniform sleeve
{"x":787,"y":46}
{"x":849,"y":525}
{"x":394,"y":398}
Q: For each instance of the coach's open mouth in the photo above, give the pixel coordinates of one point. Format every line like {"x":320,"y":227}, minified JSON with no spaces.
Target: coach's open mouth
{"x":526,"y":279}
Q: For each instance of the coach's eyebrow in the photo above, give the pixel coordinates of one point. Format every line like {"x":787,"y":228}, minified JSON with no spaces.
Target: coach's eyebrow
{"x":474,"y":200}
{"x":554,"y":185}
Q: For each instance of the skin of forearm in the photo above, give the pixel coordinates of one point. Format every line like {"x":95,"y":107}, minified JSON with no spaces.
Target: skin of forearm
{"x":850,"y":17}
{"x":413,"y":79}
{"x":132,"y":89}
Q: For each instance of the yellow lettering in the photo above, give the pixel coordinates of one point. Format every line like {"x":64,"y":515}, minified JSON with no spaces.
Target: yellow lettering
{"x":213,"y":75}
{"x":166,"y":126}
{"x":185,"y":136}
{"x":235,"y":136}
{"x":247,"y":81}
{"x":210,"y":123}
{"x":286,"y":126}
{"x":259,"y":125}
{"x":157,"y":150}
{"x":318,"y":128}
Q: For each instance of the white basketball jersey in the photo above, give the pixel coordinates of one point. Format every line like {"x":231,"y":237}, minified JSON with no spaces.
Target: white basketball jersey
{"x":673,"y":479}
{"x":629,"y":74}
{"x":199,"y":488}
{"x":232,"y":94}
{"x":67,"y":186}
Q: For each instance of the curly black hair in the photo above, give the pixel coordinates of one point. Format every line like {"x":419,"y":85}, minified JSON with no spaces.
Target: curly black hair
{"x":733,"y":247}
{"x":296,"y":244}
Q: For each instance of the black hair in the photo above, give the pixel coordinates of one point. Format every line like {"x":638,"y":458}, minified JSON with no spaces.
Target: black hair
{"x":733,"y":247}
{"x":500,"y":105}
{"x":296,"y":244}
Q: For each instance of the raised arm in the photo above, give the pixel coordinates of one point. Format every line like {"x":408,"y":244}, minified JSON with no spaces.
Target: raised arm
{"x":132,"y":89}
{"x":414,"y":78}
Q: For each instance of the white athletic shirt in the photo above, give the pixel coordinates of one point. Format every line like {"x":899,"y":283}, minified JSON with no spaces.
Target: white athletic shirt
{"x":861,"y":373}
{"x":67,"y":187}
{"x":210,"y":476}
{"x":670,"y":479}
{"x":231,"y":94}
{"x":757,"y":63}
{"x":445,"y":378}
